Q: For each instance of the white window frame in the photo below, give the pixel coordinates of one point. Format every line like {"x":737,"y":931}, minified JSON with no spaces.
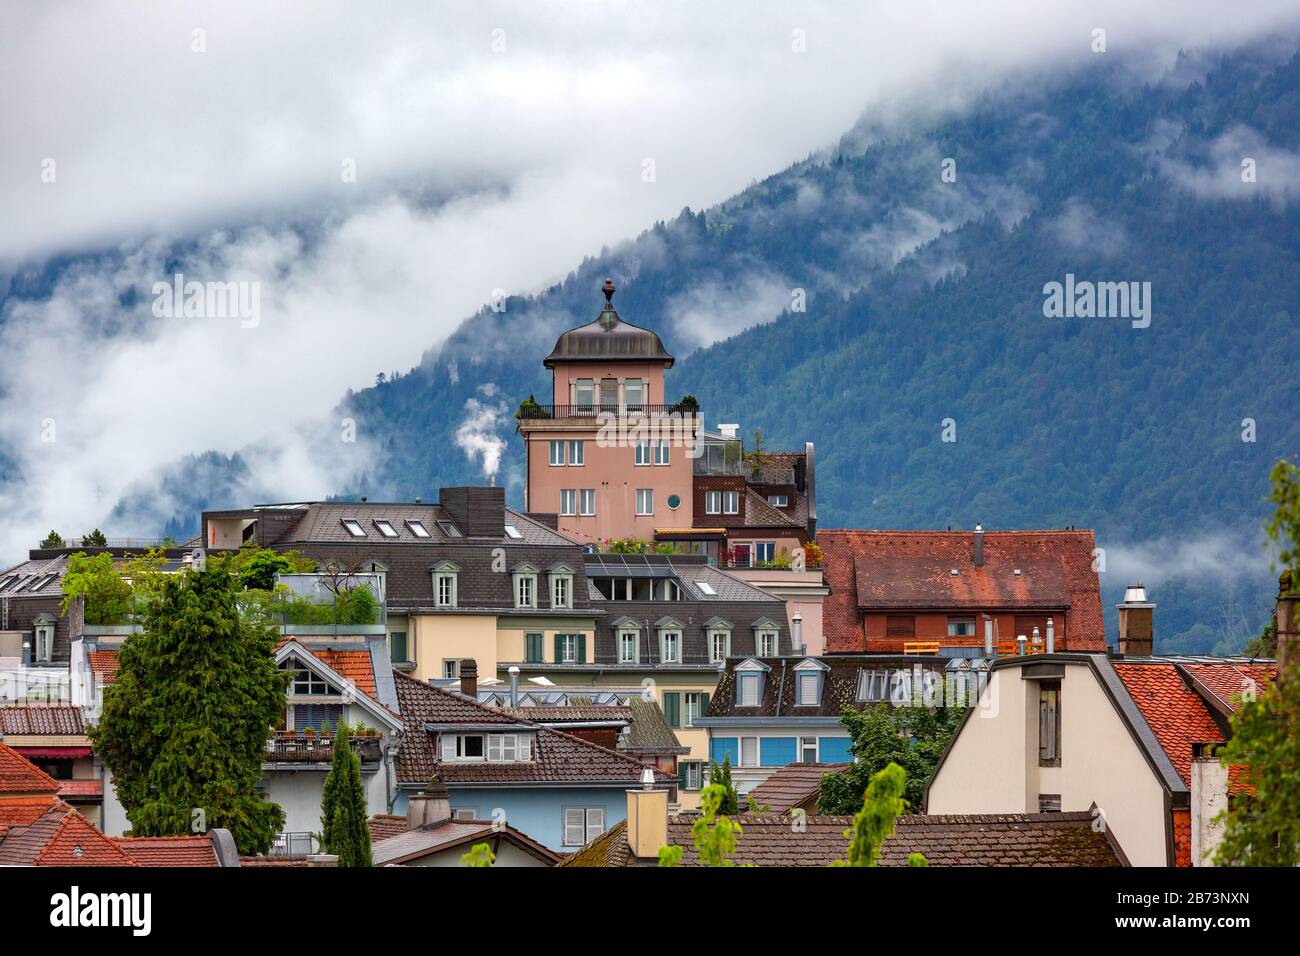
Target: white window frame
{"x":641,"y":454}
{"x":731,"y":502}
{"x":587,"y":502}
{"x":585,"y":823}
{"x":644,"y":497}
{"x":569,"y":648}
{"x":768,"y":547}
{"x":569,"y":502}
{"x":641,"y":385}
{"x":661,"y":453}
{"x":761,"y":643}
{"x":448,"y":578}
{"x":714,"y":634}
{"x":577,"y":452}
{"x":417,"y":528}
{"x":520,"y":581}
{"x":740,"y":752}
{"x":691,"y":707}
{"x":635,"y":636}
{"x":386,"y":528}
{"x":746,"y":682}
{"x":562,"y":590}
{"x":713,"y":502}
{"x":353,"y":527}
{"x":556,"y":452}
{"x":804,"y":694}
{"x":578,"y":384}
{"x":663,"y":646}
{"x":803,"y":745}
{"x":44,"y":643}
{"x":959,"y":619}
{"x":779,"y":501}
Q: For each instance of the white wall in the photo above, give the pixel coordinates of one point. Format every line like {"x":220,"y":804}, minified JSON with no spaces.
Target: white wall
{"x":993,"y":765}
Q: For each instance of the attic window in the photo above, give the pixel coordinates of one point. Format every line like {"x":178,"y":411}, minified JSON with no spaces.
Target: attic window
{"x":417,"y":528}
{"x":353,"y":528}
{"x":706,"y":588}
{"x":385,"y":528}
{"x":954,"y":572}
{"x":1016,"y":572}
{"x":512,"y":532}
{"x":449,"y":529}
{"x":8,"y":581}
{"x":44,"y":582}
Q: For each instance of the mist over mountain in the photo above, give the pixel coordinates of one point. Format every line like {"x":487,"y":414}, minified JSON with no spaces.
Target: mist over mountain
{"x":889,"y":293}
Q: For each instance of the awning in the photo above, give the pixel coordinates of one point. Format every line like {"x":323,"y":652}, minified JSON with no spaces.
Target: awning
{"x":690,"y":534}
{"x":54,"y":753}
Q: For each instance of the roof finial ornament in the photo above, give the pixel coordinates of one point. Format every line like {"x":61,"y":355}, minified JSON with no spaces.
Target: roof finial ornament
{"x":608,"y":289}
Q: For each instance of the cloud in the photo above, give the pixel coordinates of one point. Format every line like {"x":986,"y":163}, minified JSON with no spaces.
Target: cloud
{"x":494,"y":146}
{"x":1239,"y":164}
{"x":1220,"y":555}
{"x":1079,"y":227}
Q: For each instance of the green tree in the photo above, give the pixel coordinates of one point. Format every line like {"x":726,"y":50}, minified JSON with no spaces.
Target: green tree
{"x":874,"y":823}
{"x":716,"y":835}
{"x":255,"y":567}
{"x":95,"y":539}
{"x":52,"y":540}
{"x":1262,"y":822}
{"x":912,"y":737}
{"x":185,"y":723}
{"x":480,"y":854}
{"x":343,"y":806}
{"x":721,"y":776}
{"x":108,"y":596}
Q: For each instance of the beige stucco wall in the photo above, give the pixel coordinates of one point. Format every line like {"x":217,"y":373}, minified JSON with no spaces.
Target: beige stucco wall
{"x":510,"y":638}
{"x":438,"y":637}
{"x":993,"y":765}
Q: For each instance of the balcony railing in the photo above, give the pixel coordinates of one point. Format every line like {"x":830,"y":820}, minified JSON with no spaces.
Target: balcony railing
{"x":535,"y":412}
{"x":294,"y":845}
{"x":290,"y":746}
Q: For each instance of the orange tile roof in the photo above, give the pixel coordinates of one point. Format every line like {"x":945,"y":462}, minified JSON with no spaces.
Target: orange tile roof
{"x":1229,"y":681}
{"x":20,"y":775}
{"x":1177,"y":715}
{"x":81,"y":788}
{"x":104,"y":664}
{"x":169,"y":851}
{"x":352,"y":665}
{"x":24,"y":811}
{"x":879,"y":570}
{"x":77,"y":843}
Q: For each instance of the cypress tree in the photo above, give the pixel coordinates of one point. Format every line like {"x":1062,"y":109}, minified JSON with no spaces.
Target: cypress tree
{"x":185,"y":722}
{"x":343,"y":806}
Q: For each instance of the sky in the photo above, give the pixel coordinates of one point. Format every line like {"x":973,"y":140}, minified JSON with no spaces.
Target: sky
{"x":371,"y":174}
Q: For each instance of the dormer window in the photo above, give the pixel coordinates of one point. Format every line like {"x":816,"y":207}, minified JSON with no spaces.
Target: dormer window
{"x":629,"y":646}
{"x":525,"y":585}
{"x":445,"y":581}
{"x":44,"y":633}
{"x":810,"y":675}
{"x":492,"y":748}
{"x":561,"y":587}
{"x":353,"y":528}
{"x":750,"y":677}
{"x":385,"y":528}
{"x":719,"y":634}
{"x":307,"y":683}
{"x":766,"y":634}
{"x":417,"y":528}
{"x":670,"y":640}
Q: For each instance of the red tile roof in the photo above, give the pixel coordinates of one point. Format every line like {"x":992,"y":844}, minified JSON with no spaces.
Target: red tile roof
{"x":72,"y":789}
{"x":169,"y":851}
{"x":882,"y":570}
{"x":557,"y":757}
{"x":34,"y":719}
{"x":104,"y":664}
{"x":20,"y":775}
{"x":24,"y":811}
{"x":1228,"y":681}
{"x":60,"y":837}
{"x":353,"y":665}
{"x":1174,"y":711}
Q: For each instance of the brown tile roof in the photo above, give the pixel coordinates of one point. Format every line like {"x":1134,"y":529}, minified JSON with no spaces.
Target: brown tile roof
{"x":449,"y":834}
{"x":994,"y":840}
{"x":572,"y":713}
{"x":20,"y":775}
{"x":60,"y":837}
{"x":1227,"y":681}
{"x":169,"y":851}
{"x":34,"y":719}
{"x":793,"y":785}
{"x":882,"y":570}
{"x":557,"y":757}
{"x":384,"y":825}
{"x":650,"y":733}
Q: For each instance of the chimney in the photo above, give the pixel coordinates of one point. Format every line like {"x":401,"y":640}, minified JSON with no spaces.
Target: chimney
{"x":1021,"y":642}
{"x":978,"y":556}
{"x":1288,"y":639}
{"x":469,"y":678}
{"x":988,"y":636}
{"x":796,"y":632}
{"x":429,"y":807}
{"x":728,"y":431}
{"x":647,"y":818}
{"x":1051,"y":636}
{"x":1037,"y":638}
{"x":1136,"y":626}
{"x":478,"y":512}
{"x":514,"y":686}
{"x":1209,"y":799}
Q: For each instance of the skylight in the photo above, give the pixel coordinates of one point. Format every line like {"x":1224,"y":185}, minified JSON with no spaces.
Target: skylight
{"x":8,"y":581}
{"x":417,"y":528}
{"x":449,"y":529}
{"x":44,"y":582}
{"x":353,"y":528}
{"x":385,"y":528}
{"x":512,"y":531}
{"x":706,"y":588}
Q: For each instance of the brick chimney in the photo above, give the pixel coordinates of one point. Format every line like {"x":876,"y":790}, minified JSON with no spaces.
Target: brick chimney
{"x":429,"y":807}
{"x":647,"y":818}
{"x":1288,"y":628}
{"x":478,"y":512}
{"x":977,"y":557}
{"x":1136,"y":622}
{"x":469,"y":677}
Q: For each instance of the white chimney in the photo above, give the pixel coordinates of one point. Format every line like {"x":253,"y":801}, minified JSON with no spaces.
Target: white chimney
{"x":988,"y":636}
{"x":514,"y":686}
{"x":1051,"y":636}
{"x":1021,"y":641}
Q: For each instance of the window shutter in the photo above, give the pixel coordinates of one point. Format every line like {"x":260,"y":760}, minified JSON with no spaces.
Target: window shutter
{"x":573,"y":827}
{"x":672,"y":708}
{"x":525,"y":747}
{"x":595,"y":822}
{"x":582,"y":649}
{"x":704,"y":703}
{"x":559,"y":648}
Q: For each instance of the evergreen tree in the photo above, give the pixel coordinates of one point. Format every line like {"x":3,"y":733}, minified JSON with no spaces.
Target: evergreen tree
{"x":52,"y":540}
{"x":185,"y":722}
{"x":94,"y":539}
{"x":343,"y":806}
{"x":721,"y":776}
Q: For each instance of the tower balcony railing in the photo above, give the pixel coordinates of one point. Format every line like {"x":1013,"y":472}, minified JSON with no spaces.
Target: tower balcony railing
{"x":532,"y":411}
